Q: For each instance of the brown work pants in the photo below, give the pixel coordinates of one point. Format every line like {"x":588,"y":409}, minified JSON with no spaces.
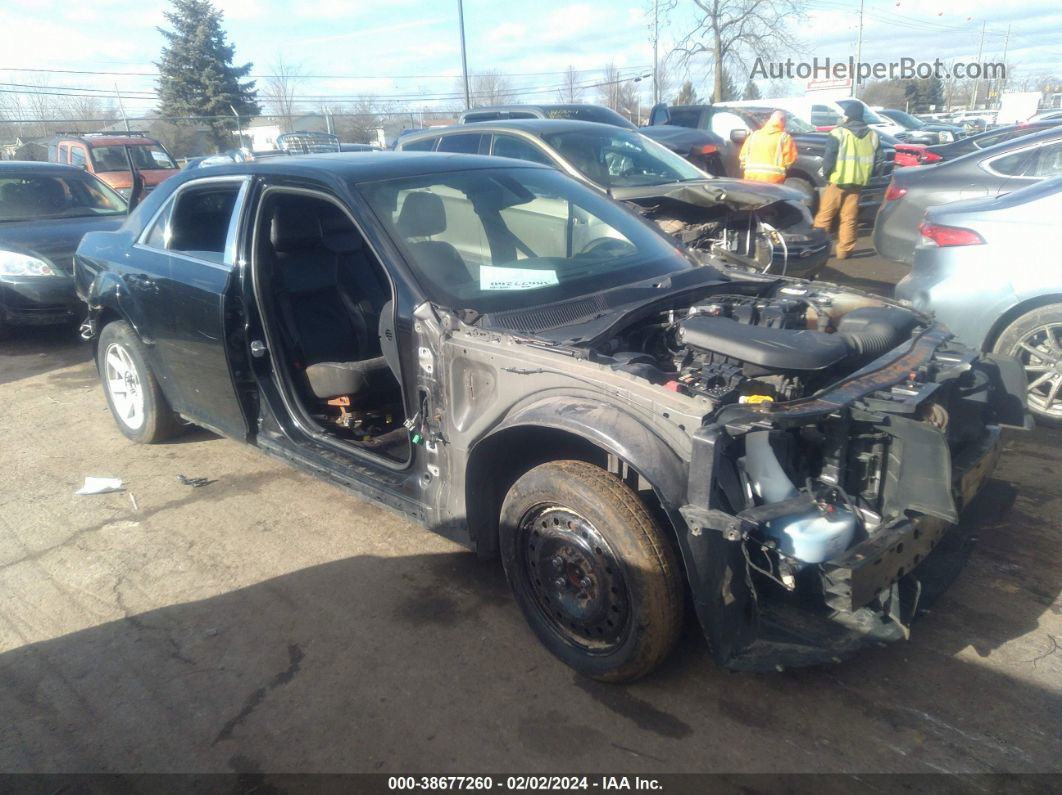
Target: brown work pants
{"x":836,"y":200}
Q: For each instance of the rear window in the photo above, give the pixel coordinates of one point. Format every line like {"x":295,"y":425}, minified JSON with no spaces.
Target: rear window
{"x":32,"y":196}
{"x":144,"y":156}
{"x":466,"y":144}
{"x":823,"y":116}
{"x":685,"y":117}
{"x":427,"y":145}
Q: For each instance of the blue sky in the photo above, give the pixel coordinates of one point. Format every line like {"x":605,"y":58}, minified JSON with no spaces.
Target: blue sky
{"x":532,"y":40}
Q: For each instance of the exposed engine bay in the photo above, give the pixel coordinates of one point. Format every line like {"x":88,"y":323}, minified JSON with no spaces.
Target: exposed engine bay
{"x":812,"y":452}
{"x":738,"y":348}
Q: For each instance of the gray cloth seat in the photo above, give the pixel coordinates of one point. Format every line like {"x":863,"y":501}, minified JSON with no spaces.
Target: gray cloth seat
{"x":335,"y":337}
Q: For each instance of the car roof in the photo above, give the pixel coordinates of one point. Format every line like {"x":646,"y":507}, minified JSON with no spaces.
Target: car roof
{"x":360,"y":166}
{"x":10,"y":168}
{"x":533,"y":126}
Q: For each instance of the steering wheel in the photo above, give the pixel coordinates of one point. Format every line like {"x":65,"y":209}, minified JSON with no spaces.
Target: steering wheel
{"x":609,"y":246}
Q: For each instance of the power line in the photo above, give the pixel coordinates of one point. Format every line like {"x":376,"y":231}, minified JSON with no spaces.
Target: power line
{"x":305,"y":76}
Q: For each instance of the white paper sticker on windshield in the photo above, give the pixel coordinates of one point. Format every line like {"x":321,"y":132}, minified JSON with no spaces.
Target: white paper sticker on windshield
{"x":494,"y":278}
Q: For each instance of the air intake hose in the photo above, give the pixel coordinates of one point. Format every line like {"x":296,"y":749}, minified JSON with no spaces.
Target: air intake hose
{"x":872,"y":331}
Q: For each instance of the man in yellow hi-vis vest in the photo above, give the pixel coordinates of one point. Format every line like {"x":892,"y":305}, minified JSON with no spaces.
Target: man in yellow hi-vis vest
{"x":852,"y":150}
{"x":768,"y":152}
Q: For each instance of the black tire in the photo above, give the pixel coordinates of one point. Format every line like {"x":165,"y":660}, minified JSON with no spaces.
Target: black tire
{"x":1039,"y":329}
{"x":156,"y":420}
{"x":592,"y":572}
{"x":811,"y":196}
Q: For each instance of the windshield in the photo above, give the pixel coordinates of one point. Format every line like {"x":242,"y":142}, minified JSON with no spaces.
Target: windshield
{"x":907,"y":120}
{"x":146,"y":157}
{"x":621,"y":159}
{"x":501,"y":239}
{"x":32,"y":196}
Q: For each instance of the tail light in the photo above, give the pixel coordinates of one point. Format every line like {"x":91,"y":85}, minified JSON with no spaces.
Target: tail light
{"x":893,"y":192}
{"x":707,"y":149}
{"x":930,"y":157}
{"x":950,"y":235}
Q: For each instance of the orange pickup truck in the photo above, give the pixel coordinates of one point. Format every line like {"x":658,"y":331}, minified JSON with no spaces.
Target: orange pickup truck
{"x":107,"y":155}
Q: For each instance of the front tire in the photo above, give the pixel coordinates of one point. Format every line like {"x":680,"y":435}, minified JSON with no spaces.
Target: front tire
{"x":133,"y":393}
{"x":591,"y":570}
{"x":811,"y":196}
{"x":1035,"y":339}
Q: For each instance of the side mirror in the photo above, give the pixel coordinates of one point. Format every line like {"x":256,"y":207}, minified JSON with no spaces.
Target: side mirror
{"x":739,"y":136}
{"x":659,"y":114}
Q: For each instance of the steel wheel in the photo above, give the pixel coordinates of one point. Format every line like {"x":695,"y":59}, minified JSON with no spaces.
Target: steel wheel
{"x":123,"y":386}
{"x":1040,"y":351}
{"x":577,"y":582}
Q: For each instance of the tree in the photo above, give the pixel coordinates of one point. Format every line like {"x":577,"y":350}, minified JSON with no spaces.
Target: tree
{"x":729,"y":90}
{"x":491,"y":88}
{"x":358,"y":123}
{"x":570,"y":90}
{"x":687,"y":95}
{"x":736,"y":31}
{"x":751,"y":91}
{"x":280,"y":90}
{"x":196,"y":73}
{"x":617,"y":92}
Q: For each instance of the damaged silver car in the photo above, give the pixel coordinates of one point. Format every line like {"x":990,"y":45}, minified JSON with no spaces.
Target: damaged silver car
{"x":511,"y":358}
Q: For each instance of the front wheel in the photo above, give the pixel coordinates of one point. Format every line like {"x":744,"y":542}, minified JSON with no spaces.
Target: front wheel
{"x":1035,"y":339}
{"x":133,"y":394}
{"x":592,"y":572}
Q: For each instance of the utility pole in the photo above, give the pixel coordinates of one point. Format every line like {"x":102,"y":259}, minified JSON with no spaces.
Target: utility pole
{"x":980,"y":51}
{"x":464,"y":55}
{"x":859,"y":52}
{"x":656,"y":59}
{"x":239,"y":128}
{"x":1003,"y":83}
{"x":121,"y":105}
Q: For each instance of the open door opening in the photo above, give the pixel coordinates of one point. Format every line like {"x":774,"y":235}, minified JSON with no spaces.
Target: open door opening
{"x":328,"y":306}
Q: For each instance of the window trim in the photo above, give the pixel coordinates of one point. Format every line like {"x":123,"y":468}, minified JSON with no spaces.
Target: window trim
{"x":231,"y":234}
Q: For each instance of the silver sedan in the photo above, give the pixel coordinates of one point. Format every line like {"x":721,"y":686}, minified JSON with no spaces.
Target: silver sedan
{"x":989,"y":270}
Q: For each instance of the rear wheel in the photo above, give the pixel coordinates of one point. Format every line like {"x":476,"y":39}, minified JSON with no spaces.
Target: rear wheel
{"x":1035,"y":339}
{"x":133,"y":394}
{"x":592,"y":572}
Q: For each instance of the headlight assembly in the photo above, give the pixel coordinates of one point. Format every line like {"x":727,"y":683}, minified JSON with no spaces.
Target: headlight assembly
{"x":14,"y":264}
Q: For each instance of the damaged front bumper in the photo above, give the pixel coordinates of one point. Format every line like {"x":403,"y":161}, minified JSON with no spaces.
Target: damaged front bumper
{"x":759,"y":619}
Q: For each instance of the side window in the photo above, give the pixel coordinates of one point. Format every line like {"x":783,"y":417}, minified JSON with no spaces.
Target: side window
{"x":427,"y":145}
{"x":64,"y":153}
{"x":511,"y":146}
{"x":466,"y":143}
{"x":199,"y":221}
{"x":1013,"y":165}
{"x":77,"y":157}
{"x":1048,"y":162}
{"x":724,"y":122}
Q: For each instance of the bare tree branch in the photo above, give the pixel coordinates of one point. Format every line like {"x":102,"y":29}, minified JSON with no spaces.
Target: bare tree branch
{"x":280,"y":90}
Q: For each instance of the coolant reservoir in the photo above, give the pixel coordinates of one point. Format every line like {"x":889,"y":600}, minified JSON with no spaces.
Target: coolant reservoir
{"x":814,"y":536}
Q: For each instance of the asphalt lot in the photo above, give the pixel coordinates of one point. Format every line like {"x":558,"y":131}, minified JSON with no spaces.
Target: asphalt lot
{"x":270,"y":622}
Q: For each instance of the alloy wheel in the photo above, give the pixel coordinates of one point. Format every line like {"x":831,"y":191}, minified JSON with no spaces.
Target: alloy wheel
{"x":1040,"y":352}
{"x":123,"y":385}
{"x":577,"y":582}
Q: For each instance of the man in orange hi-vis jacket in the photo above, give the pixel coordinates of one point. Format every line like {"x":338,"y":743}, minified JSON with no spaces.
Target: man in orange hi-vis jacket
{"x":768,"y":152}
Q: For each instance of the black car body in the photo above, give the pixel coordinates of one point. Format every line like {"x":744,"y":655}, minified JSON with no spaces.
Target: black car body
{"x":702,"y":148}
{"x":986,"y":140}
{"x":754,"y":225}
{"x":621,"y":424}
{"x":923,"y":132}
{"x":999,"y":169}
{"x":44,"y":212}
{"x":804,"y":175}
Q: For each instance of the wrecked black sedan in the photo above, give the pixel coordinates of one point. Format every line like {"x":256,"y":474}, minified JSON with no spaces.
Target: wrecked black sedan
{"x":509,"y":357}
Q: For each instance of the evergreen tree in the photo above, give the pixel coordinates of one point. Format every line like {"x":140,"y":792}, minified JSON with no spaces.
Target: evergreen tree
{"x":687,"y":95}
{"x":752,"y":91}
{"x":728,"y":91}
{"x":196,"y":73}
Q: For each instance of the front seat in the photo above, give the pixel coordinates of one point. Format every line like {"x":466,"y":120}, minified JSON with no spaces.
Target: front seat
{"x":337,"y":348}
{"x":423,"y":215}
